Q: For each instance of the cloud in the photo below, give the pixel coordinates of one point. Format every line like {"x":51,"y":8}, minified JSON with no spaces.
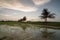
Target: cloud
{"x":22,"y":5}
{"x":16,"y":5}
{"x":8,"y":17}
{"x":40,"y":2}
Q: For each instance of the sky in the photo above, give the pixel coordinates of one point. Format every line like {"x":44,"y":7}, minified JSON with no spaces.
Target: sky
{"x":32,"y":9}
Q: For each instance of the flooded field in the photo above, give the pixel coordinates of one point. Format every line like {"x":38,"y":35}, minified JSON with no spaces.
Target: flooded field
{"x":30,"y":33}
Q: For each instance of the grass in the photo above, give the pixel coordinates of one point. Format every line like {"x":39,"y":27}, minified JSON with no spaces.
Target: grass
{"x":21,"y":24}
{"x":48,"y":23}
{"x":26,"y":24}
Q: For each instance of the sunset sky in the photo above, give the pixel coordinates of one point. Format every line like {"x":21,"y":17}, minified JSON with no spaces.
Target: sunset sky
{"x":32,"y":9}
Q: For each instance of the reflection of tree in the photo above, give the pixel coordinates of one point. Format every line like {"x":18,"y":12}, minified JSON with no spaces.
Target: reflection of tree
{"x":47,"y":35}
{"x":3,"y":38}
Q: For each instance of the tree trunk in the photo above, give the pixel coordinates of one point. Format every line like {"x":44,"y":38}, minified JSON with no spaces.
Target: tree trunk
{"x":45,"y":24}
{"x":45,"y":21}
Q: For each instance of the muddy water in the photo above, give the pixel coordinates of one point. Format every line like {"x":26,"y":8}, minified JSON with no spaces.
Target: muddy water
{"x":30,"y":33}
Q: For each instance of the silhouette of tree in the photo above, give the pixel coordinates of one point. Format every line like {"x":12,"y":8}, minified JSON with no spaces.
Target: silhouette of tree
{"x":46,"y":14}
{"x":20,"y":20}
{"x":23,"y":19}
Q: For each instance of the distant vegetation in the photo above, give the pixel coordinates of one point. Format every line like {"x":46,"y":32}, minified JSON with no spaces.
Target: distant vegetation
{"x":19,"y":20}
{"x":56,"y":24}
{"x":23,"y":19}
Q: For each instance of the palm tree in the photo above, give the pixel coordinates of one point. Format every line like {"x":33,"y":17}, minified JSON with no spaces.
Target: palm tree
{"x":46,"y":14}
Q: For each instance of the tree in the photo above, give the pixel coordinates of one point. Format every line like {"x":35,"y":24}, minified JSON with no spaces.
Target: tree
{"x":24,"y":18}
{"x":20,"y":20}
{"x":46,"y":14}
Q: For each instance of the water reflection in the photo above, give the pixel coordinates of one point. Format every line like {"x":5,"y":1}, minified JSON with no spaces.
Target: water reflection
{"x":47,"y":35}
{"x":30,"y":33}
